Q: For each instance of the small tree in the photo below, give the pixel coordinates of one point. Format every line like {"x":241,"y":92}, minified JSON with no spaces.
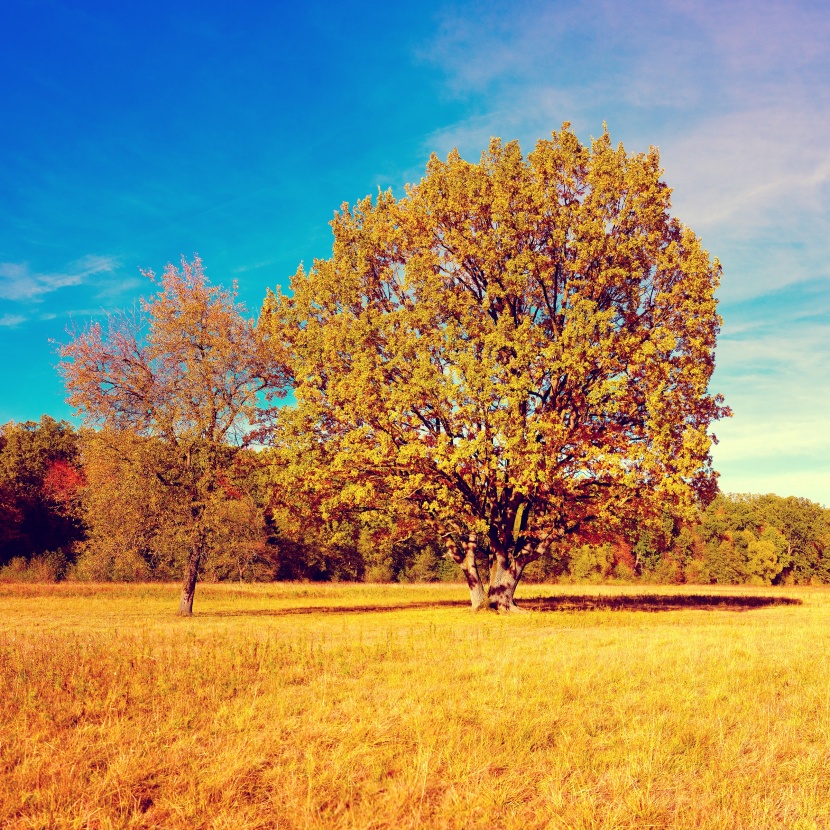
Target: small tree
{"x":520,"y":347}
{"x":137,"y":527}
{"x":185,"y":369}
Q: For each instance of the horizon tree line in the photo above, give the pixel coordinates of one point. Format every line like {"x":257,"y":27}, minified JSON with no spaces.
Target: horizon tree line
{"x":74,"y":507}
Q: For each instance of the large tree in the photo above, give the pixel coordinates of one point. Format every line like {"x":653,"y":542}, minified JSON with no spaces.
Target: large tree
{"x":186,"y":370}
{"x":521,"y":347}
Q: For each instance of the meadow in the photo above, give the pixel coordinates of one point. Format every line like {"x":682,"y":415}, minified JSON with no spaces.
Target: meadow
{"x":368,"y":706}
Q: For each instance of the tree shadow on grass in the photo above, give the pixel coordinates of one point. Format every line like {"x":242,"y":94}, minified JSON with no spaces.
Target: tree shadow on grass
{"x":655,"y":602}
{"x":337,"y":609}
{"x":564,"y":602}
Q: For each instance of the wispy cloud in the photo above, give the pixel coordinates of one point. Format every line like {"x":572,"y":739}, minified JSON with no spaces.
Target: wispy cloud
{"x":649,"y":52}
{"x":253,"y":266}
{"x":735,"y":94}
{"x":117,"y":289}
{"x":791,"y":343}
{"x":18,"y":282}
{"x":756,"y":185}
{"x":742,"y":165}
{"x":12,"y":320}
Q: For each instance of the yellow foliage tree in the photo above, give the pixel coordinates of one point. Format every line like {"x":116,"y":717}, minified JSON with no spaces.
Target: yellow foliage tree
{"x":520,"y":347}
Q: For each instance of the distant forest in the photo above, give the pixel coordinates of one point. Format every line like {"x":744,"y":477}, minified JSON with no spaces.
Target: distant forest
{"x":87,"y":505}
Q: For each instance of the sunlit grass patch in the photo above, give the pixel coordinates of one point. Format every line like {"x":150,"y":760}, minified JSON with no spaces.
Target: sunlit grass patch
{"x":117,"y":713}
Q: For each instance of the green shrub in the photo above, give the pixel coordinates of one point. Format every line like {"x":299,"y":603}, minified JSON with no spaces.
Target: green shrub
{"x":49,"y":566}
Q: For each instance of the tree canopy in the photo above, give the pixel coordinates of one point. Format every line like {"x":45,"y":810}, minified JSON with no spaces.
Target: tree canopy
{"x":519,"y":348}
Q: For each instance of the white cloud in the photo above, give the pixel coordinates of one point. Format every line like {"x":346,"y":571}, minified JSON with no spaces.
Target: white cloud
{"x":19,"y":283}
{"x":795,"y":347}
{"x":12,"y":320}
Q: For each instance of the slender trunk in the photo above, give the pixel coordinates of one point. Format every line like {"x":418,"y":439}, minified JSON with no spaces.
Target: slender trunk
{"x":190,"y":577}
{"x":465,"y":557}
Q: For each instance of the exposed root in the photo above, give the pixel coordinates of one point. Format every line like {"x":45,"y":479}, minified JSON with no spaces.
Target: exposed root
{"x":512,"y":609}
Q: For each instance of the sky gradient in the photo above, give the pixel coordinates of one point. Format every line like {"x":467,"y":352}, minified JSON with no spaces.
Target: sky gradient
{"x":134,"y":133}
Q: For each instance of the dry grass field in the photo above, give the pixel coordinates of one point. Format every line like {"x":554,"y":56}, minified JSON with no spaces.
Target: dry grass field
{"x":353,"y":706}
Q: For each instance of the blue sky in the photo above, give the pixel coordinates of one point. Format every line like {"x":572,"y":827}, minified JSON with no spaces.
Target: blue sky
{"x":132,"y":133}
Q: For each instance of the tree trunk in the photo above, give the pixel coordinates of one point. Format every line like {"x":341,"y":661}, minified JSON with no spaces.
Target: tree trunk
{"x":507,"y":571}
{"x":504,"y":577}
{"x":465,"y":558}
{"x":190,"y":577}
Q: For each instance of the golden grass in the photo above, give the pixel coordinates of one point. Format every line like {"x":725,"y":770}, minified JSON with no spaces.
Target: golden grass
{"x":262,"y":712}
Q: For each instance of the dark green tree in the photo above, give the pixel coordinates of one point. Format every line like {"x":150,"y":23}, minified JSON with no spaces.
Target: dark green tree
{"x":40,"y":480}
